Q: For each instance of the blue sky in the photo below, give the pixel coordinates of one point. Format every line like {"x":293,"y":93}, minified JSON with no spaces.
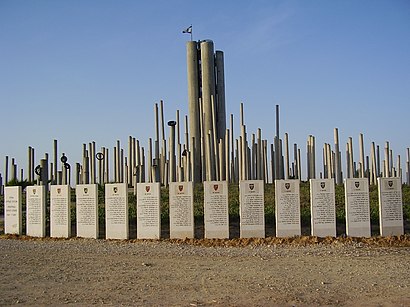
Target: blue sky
{"x":82,"y":71}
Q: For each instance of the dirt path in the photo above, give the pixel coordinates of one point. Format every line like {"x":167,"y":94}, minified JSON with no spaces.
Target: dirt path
{"x":86,"y":272}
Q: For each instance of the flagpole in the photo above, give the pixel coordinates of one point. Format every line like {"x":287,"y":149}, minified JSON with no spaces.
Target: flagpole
{"x":189,"y":30}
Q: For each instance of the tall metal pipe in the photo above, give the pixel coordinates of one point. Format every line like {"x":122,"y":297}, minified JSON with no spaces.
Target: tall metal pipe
{"x":361,"y":155}
{"x":32,"y":164}
{"x":220,"y":94}
{"x":29,"y":165}
{"x":408,"y":167}
{"x":351,"y":160}
{"x":287,"y":175}
{"x":142,"y":172}
{"x":107,"y":166}
{"x":130,"y":170}
{"x":115,"y":165}
{"x":232,"y":179}
{"x":6,"y":170}
{"x":208,"y":82}
{"x":156,"y":147}
{"x":193,"y":106}
{"x":338,"y":163}
{"x":55,"y":162}
{"x":215,"y":153}
{"x":44,"y":173}
{"x":172,"y":162}
{"x":387,"y":160}
{"x":150,"y":166}
{"x":227,"y":157}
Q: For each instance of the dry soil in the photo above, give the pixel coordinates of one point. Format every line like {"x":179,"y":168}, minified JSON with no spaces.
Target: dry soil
{"x":302,"y":271}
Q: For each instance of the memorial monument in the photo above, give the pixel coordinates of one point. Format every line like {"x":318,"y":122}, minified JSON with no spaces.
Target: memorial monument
{"x":216,"y":211}
{"x":323,"y":207}
{"x":390,"y":206}
{"x":206,"y":101}
{"x":287,"y":208}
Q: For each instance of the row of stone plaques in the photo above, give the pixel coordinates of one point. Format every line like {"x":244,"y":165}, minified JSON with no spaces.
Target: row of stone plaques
{"x":216,"y":215}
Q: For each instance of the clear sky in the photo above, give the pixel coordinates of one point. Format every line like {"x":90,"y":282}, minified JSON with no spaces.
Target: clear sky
{"x":82,"y":71}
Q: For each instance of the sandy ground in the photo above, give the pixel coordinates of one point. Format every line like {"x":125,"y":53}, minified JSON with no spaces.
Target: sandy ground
{"x":270,"y":272}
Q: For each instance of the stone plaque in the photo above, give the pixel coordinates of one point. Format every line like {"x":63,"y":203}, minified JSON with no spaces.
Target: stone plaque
{"x":148,"y":210}
{"x":322,"y":207}
{"x":60,"y":211}
{"x":36,"y":211}
{"x":287,"y":208}
{"x":181,"y":210}
{"x":216,"y":212}
{"x":12,"y":210}
{"x":251,"y":209}
{"x":357,"y":207}
{"x":87,"y":210}
{"x":116,"y":211}
{"x":390,"y":207}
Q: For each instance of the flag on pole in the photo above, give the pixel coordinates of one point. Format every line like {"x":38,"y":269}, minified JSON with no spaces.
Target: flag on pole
{"x":188,"y":30}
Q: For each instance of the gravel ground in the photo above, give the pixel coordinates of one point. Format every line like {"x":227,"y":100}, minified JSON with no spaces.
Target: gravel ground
{"x":300,"y":272}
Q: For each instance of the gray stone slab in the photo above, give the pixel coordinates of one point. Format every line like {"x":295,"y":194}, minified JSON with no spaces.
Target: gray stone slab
{"x":181,"y":210}
{"x":12,"y":210}
{"x":322,"y":207}
{"x":116,"y":211}
{"x":390,"y":206}
{"x":216,"y":212}
{"x":287,"y":208}
{"x":251,"y":209}
{"x":87,"y":210}
{"x":357,"y":206}
{"x":36,"y":211}
{"x":60,"y":211}
{"x":148,"y":210}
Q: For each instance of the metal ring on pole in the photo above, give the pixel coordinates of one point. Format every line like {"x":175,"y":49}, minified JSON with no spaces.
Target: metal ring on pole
{"x":37,"y":170}
{"x":64,"y":158}
{"x":99,"y":156}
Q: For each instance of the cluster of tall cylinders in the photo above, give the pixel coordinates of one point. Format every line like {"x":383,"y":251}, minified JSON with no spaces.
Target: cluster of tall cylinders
{"x":371,"y":166}
{"x":173,"y":159}
{"x":207,"y":149}
{"x":206,"y":106}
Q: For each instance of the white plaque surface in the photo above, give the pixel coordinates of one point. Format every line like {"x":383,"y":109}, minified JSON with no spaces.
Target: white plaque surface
{"x":390,"y":207}
{"x":87,"y":210}
{"x":116,"y":211}
{"x":322,"y":207}
{"x":287,"y":208}
{"x":36,"y":211}
{"x":148,"y":210}
{"x":181,"y":210}
{"x":251,"y":209}
{"x":357,"y":207}
{"x":12,"y":210}
{"x":60,"y":211}
{"x":216,"y":212}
